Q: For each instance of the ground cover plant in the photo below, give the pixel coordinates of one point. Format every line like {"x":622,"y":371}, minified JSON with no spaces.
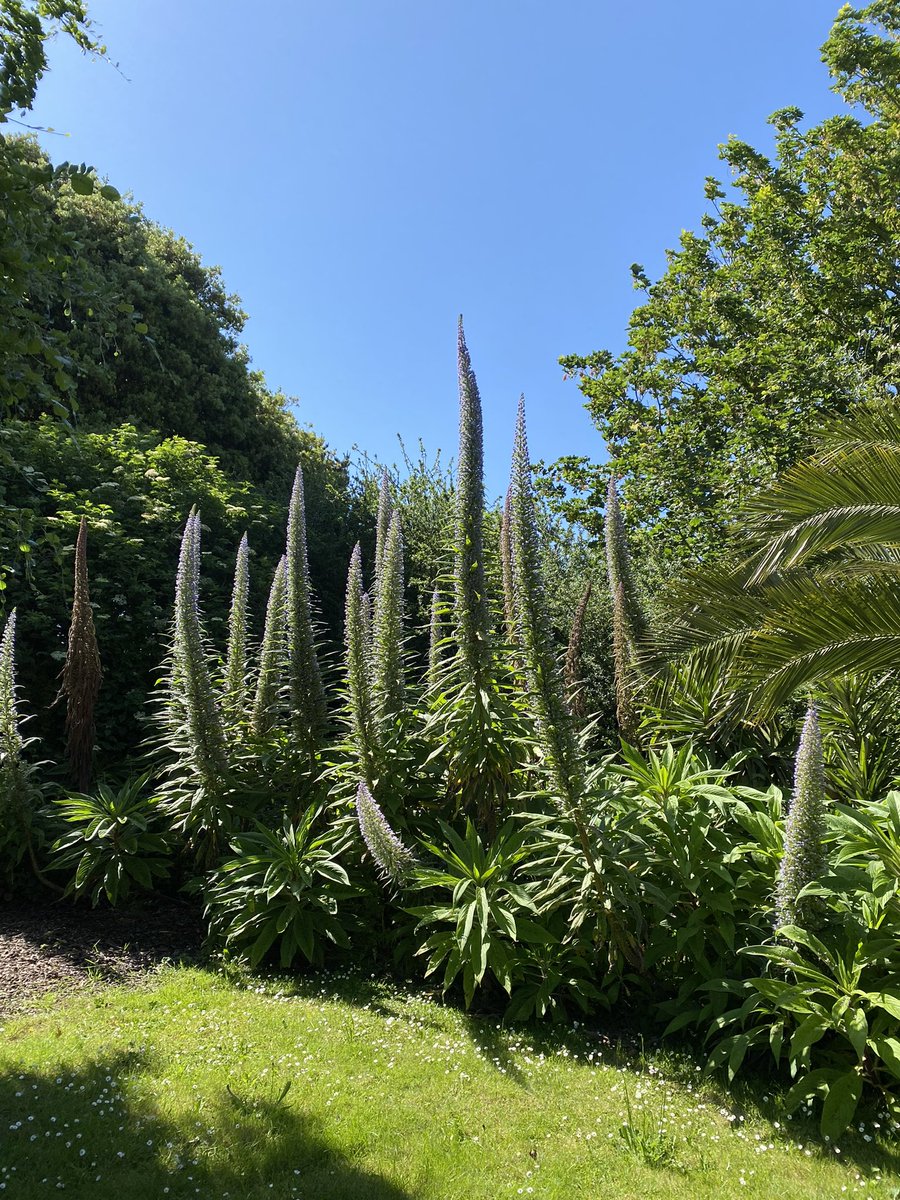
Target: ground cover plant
{"x":194,"y":1086}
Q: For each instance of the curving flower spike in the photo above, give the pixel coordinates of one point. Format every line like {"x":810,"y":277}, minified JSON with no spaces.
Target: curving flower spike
{"x":309,"y":712}
{"x":235,"y":692}
{"x":804,"y":856}
{"x":272,"y":655}
{"x":472,"y":611}
{"x":393,"y":859}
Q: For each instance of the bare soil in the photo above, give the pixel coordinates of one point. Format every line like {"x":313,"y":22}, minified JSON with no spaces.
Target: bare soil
{"x":58,"y":947}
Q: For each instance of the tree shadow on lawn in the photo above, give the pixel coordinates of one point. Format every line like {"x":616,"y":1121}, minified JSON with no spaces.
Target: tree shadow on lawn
{"x":756,"y":1094}
{"x":94,"y":1131}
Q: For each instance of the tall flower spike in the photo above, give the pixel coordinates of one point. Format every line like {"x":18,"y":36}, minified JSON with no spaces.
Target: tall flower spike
{"x":11,"y":741}
{"x":393,"y":859}
{"x":236,"y":693}
{"x":545,"y":683}
{"x":472,"y":612}
{"x":553,"y":721}
{"x":272,"y":655}
{"x":804,"y":856}
{"x":309,"y":712}
{"x":388,"y":673}
{"x":509,"y":600}
{"x":16,"y":796}
{"x":383,"y":523}
{"x":627,"y":717}
{"x":81,"y":673}
{"x":357,"y":668}
{"x":618,"y":566}
{"x":435,"y":634}
{"x":366,"y":620}
{"x":574,"y":683}
{"x":191,"y":678}
{"x":629,"y":624}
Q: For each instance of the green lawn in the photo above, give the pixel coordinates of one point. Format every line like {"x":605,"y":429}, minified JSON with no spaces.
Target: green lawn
{"x":176,"y":1090}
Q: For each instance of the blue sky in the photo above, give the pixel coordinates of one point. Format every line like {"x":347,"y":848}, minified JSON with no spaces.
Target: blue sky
{"x":364,"y":170}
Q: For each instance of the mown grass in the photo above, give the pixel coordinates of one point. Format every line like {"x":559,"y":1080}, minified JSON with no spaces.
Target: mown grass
{"x":179,"y":1089}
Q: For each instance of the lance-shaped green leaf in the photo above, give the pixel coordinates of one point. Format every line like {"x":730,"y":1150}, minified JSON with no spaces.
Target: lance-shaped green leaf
{"x":235,"y":692}
{"x":472,"y":611}
{"x":272,"y":656}
{"x":307,"y":692}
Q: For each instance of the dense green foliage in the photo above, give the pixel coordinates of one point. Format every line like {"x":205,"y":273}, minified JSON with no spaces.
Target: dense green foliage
{"x":138,"y":459}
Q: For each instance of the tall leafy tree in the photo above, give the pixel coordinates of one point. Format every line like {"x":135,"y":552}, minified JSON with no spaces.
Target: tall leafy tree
{"x":782,"y":310}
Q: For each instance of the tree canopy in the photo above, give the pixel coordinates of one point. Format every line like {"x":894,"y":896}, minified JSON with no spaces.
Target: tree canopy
{"x":781,"y":311}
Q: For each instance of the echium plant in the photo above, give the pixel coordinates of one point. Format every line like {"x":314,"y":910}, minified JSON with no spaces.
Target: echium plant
{"x":10,"y":738}
{"x":15,"y":788}
{"x":544,"y":680}
{"x":356,"y":668}
{"x":388,"y":685}
{"x":629,"y":624}
{"x":553,"y":720}
{"x":804,"y":856}
{"x":506,"y":571}
{"x":307,"y":692}
{"x":574,"y":684}
{"x":272,"y":654}
{"x":192,"y":693}
{"x":81,"y":673}
{"x":383,"y":521}
{"x":472,"y":611}
{"x":435,"y":643}
{"x":393,"y":860}
{"x":236,"y":691}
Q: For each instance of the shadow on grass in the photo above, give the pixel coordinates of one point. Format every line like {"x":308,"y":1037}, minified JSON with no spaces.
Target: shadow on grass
{"x":756,"y":1094}
{"x":94,"y":1133}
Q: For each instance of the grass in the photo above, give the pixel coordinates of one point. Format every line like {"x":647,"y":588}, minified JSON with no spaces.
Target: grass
{"x":193,"y":1087}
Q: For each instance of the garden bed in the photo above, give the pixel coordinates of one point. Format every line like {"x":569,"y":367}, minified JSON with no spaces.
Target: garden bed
{"x":59,"y":948}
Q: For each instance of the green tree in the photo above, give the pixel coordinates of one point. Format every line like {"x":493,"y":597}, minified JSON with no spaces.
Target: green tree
{"x":783,"y":310}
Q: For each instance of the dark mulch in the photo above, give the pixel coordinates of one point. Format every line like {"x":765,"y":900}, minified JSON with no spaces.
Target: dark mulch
{"x":59,"y":948}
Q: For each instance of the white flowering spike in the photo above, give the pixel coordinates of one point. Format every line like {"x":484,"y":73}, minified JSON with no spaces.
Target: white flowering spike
{"x":393,"y":859}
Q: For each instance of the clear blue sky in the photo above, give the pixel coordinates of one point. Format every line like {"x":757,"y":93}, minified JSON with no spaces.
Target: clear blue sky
{"x":364,"y":170}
